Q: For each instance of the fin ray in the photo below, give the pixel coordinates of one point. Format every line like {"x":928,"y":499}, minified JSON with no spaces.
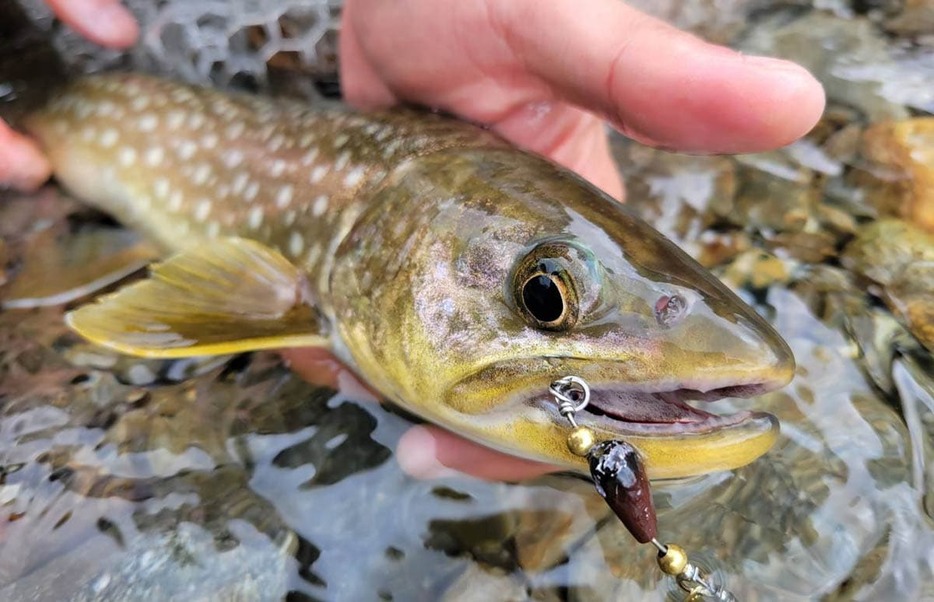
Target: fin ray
{"x":230,"y":296}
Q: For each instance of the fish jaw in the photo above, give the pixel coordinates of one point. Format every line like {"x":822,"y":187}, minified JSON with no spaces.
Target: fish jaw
{"x":675,"y":438}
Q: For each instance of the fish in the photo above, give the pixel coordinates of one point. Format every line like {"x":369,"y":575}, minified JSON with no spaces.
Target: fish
{"x":455,"y":273}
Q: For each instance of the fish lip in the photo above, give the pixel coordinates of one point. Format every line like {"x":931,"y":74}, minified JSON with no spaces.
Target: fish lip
{"x":672,"y":416}
{"x":660,"y":413}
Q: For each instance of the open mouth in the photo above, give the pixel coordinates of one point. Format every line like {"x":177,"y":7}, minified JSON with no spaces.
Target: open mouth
{"x":666,"y":412}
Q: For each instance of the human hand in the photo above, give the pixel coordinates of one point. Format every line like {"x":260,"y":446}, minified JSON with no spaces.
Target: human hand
{"x":423,"y":451}
{"x":106,"y":22}
{"x":547,"y":76}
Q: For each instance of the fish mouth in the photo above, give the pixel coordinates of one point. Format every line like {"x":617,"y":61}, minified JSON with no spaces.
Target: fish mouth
{"x":662,"y":413}
{"x":508,"y":404}
{"x":644,"y":409}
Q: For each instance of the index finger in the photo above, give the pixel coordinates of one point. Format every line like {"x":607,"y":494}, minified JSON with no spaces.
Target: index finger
{"x":656,"y":83}
{"x":105,"y":22}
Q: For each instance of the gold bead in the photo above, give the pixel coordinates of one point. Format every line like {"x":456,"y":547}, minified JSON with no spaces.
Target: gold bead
{"x":673,"y":561}
{"x":581,"y":440}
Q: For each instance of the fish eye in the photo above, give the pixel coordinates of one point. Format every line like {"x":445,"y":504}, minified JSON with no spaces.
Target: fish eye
{"x":546,"y":294}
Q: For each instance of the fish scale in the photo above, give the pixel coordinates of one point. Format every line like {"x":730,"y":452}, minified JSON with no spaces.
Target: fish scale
{"x":409,"y":244}
{"x":195,"y":163}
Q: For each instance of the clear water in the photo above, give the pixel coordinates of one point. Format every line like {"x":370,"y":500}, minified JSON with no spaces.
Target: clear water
{"x":123,"y":479}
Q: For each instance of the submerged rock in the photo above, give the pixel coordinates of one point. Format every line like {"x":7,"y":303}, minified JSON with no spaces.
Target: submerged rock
{"x":902,"y":154}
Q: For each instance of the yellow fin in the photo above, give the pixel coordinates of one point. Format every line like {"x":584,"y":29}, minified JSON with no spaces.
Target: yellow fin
{"x":227,"y":296}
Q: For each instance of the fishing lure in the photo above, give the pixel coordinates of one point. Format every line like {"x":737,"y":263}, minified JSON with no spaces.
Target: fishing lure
{"x":620,"y":478}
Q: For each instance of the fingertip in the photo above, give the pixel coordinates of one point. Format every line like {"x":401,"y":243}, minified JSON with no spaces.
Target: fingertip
{"x":313,"y":365}
{"x":731,"y":103}
{"x":22,"y":164}
{"x":428,"y":452}
{"x":104,"y":22}
{"x":417,"y":455}
{"x":797,"y":101}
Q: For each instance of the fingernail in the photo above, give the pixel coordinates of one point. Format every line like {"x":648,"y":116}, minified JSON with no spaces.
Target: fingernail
{"x":417,"y":455}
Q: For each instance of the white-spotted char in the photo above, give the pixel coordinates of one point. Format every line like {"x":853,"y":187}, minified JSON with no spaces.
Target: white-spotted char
{"x":457,"y":274}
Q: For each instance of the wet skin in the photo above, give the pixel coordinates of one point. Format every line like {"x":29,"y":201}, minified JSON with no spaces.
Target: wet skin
{"x":458,"y":275}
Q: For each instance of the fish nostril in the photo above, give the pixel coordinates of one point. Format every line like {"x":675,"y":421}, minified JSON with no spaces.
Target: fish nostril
{"x":669,"y":309}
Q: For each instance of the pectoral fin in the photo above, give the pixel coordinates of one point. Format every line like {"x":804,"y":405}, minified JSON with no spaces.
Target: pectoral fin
{"x":228,"y":296}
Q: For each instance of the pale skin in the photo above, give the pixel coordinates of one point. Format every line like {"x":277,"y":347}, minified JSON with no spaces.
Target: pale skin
{"x":547,"y":76}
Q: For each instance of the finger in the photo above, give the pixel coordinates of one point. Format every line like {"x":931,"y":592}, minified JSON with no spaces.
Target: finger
{"x":428,"y":452}
{"x":361,"y":85}
{"x":313,"y":365}
{"x":22,"y":164}
{"x":425,"y":452}
{"x":569,"y":136}
{"x":656,"y":83}
{"x":105,"y":22}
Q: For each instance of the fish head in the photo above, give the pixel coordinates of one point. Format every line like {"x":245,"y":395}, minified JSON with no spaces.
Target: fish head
{"x":519,"y":273}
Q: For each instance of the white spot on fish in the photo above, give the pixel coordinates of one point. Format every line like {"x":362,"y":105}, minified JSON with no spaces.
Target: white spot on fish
{"x":342,"y":161}
{"x":161,"y":187}
{"x":187,"y":150}
{"x":254,"y":218}
{"x":319,"y":206}
{"x":390,"y":149}
{"x":309,"y":157}
{"x":83,"y":110}
{"x":353,"y":177}
{"x":209,"y":141}
{"x":289,"y":217}
{"x":148,"y":123}
{"x":233,"y":158}
{"x":234,"y":130}
{"x":318,"y":173}
{"x":239,"y":182}
{"x":213,"y":229}
{"x":109,"y":137}
{"x":196,"y":121}
{"x":202,"y":174}
{"x":140,"y":103}
{"x":382,"y":134}
{"x":153,"y":157}
{"x":88,"y":133}
{"x":296,"y":244}
{"x":126,"y":156}
{"x":277,"y":168}
{"x":202,"y":210}
{"x":276,"y":142}
{"x":313,"y":254}
{"x":306,"y":140}
{"x":340,"y":141}
{"x":175,"y":201}
{"x":251,"y":191}
{"x":106,"y":108}
{"x":174,"y":120}
{"x":284,"y":196}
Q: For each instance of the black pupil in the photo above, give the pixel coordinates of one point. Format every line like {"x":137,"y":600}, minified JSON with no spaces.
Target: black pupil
{"x":543,"y":299}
